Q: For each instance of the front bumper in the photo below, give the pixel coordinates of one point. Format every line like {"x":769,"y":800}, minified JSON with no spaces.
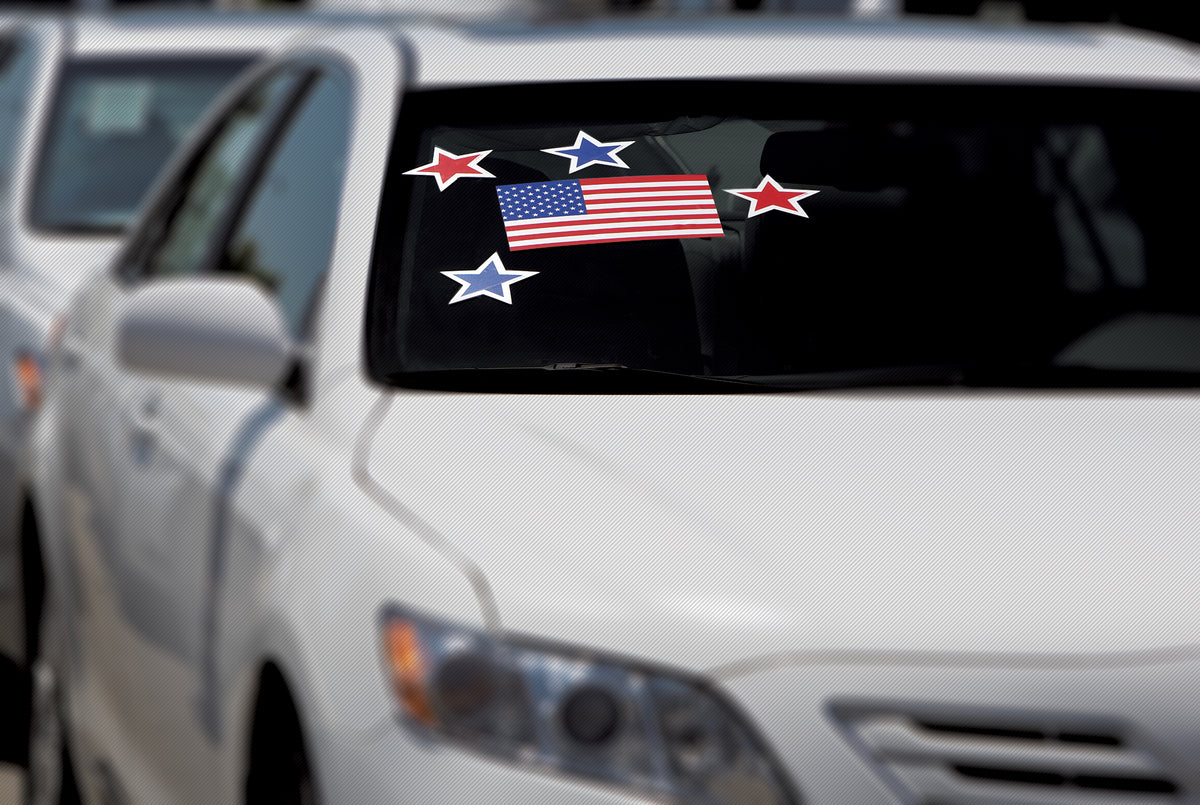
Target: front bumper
{"x":391,"y":765}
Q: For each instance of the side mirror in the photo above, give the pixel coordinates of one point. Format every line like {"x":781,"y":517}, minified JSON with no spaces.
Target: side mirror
{"x":218,"y":329}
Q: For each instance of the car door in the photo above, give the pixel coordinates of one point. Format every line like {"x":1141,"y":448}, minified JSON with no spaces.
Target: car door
{"x":129,"y":459}
{"x":278,"y":232}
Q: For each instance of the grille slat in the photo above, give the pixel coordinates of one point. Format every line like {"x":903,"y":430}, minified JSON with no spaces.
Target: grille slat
{"x":985,"y":758}
{"x":1135,"y":785}
{"x":992,"y":732}
{"x":900,"y":739}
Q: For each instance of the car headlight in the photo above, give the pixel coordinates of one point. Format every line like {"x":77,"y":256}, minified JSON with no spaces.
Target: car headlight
{"x":645,"y":729}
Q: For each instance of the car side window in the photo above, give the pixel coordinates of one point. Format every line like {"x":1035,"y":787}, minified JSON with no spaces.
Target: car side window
{"x":211,"y":186}
{"x":16,"y":79}
{"x":283,"y":236}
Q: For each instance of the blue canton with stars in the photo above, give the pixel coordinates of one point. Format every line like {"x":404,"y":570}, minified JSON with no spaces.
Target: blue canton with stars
{"x":541,"y":200}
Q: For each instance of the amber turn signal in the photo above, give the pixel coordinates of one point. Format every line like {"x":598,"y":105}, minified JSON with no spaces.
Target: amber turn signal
{"x":407,"y":660}
{"x":29,"y":381}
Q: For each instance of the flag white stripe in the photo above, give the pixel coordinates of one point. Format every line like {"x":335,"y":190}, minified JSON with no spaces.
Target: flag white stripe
{"x":633,"y":235}
{"x":588,"y":196}
{"x":684,"y":206}
{"x":588,"y":188}
{"x":556,"y":227}
{"x":606,"y":216}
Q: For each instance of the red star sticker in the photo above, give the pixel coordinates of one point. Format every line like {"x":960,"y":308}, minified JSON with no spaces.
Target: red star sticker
{"x":770,"y":196}
{"x":447,"y":167}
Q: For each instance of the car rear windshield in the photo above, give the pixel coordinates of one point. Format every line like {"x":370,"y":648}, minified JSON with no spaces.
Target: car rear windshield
{"x":114,"y":124}
{"x":739,"y":235}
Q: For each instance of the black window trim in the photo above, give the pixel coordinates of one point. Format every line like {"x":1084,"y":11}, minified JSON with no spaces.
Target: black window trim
{"x":264,"y":149}
{"x":313,"y":68}
{"x":131,"y":267}
{"x":295,"y":387}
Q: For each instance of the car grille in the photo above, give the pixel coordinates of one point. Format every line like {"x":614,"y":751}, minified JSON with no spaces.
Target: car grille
{"x":936,"y":755}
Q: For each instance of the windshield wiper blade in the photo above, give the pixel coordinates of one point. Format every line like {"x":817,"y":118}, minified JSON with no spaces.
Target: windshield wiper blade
{"x":984,"y":375}
{"x":877,"y":377}
{"x":573,"y":377}
{"x":623,"y":369}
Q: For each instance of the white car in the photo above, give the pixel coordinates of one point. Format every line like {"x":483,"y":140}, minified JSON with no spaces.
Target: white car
{"x":702,"y":412}
{"x":95,"y":106}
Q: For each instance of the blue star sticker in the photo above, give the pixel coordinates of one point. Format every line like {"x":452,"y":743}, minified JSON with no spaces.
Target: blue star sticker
{"x":589,"y":151}
{"x":490,"y":279}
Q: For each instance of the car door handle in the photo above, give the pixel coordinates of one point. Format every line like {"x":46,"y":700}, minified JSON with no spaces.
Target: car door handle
{"x":143,"y":427}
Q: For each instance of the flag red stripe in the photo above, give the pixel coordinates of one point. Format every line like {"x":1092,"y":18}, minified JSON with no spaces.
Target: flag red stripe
{"x":644,"y":205}
{"x":626,"y":200}
{"x":692,"y":178}
{"x":584,"y":233}
{"x":658,"y":223}
{"x":691,"y":191}
{"x":669,"y":210}
{"x":542,"y":223}
{"x":517,"y":247}
{"x":653,"y":214}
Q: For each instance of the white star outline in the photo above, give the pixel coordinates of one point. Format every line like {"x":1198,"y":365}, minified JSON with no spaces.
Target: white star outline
{"x":505,"y":286}
{"x":794,"y":202}
{"x":575,"y":166}
{"x":484,"y":173}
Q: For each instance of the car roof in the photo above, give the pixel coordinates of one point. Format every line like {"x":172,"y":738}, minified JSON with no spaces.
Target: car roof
{"x":820,"y":49}
{"x":184,"y":34}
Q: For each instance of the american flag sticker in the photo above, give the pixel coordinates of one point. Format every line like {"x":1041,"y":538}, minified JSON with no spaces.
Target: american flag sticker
{"x":572,"y":212}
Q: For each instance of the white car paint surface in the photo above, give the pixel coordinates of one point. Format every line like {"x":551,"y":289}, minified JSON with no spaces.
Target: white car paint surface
{"x":846,"y":594}
{"x":917,"y":514}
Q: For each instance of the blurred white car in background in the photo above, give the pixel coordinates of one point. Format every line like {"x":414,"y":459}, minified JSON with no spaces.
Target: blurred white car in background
{"x":718,"y":413}
{"x":463,"y":9}
{"x":94,"y":107}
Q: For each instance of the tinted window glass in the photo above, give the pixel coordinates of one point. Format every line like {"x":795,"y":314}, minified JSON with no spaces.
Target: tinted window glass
{"x":16,"y":76}
{"x":209,"y":190}
{"x":113,"y":126}
{"x":285,"y":234}
{"x":791,"y":233}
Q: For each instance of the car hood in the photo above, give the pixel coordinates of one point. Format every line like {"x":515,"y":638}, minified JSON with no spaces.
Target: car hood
{"x":704,"y":530}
